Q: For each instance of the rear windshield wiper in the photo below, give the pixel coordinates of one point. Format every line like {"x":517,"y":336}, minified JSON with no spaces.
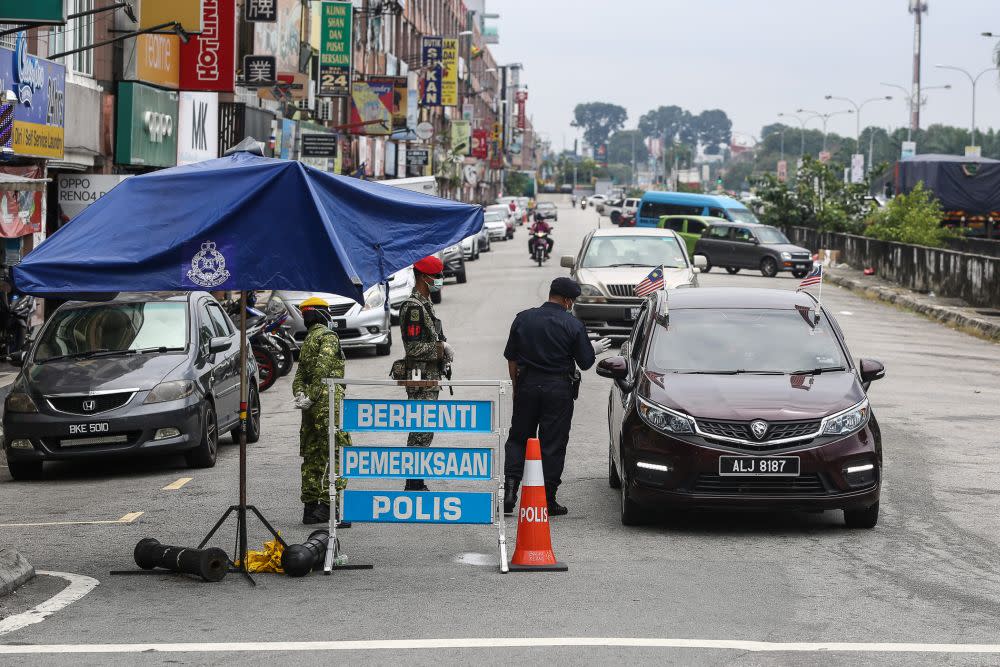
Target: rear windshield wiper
{"x":161,"y":348}
{"x":74,"y":355}
{"x":612,"y":266}
{"x":817,"y":371}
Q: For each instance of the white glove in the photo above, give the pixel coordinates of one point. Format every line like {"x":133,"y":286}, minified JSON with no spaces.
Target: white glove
{"x":448,"y":352}
{"x":601,"y":346}
{"x":302,"y":401}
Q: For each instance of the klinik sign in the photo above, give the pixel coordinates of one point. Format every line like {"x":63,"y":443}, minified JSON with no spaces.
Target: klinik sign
{"x":208,"y":60}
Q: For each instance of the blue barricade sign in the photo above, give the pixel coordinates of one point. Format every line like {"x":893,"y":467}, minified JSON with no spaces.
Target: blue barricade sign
{"x":366,"y":462}
{"x":418,"y":507}
{"x":387,"y":415}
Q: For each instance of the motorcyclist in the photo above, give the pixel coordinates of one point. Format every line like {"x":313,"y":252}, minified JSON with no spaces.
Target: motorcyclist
{"x":572,"y":201}
{"x":541,"y":226}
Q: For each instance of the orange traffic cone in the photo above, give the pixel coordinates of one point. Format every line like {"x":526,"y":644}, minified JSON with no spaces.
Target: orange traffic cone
{"x":534,"y":544}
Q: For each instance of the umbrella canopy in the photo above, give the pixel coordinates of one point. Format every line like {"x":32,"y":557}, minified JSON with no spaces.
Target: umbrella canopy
{"x":244,"y":222}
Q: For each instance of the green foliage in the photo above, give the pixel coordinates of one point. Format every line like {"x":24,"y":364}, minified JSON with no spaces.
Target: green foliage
{"x":714,"y":128}
{"x":910,"y":218}
{"x":817,"y":198}
{"x":518,"y":184}
{"x":621,"y":144}
{"x":664,"y":122}
{"x":598,"y":120}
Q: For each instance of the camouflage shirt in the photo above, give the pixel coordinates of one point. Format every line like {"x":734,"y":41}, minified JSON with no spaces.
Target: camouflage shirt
{"x":320,"y":357}
{"x":421,"y":332}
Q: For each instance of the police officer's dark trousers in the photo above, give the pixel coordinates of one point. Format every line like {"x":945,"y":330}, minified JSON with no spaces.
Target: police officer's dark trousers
{"x":543,"y":408}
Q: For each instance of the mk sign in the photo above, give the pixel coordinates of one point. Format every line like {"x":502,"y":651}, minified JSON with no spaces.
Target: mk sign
{"x":208,"y":61}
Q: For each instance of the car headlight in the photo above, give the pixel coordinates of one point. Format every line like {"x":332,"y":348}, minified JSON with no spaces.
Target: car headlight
{"x":664,"y":419}
{"x":18,"y":401}
{"x":591,"y":294}
{"x":786,"y":255}
{"x":170,"y":391}
{"x":849,"y":421}
{"x":374,"y":298}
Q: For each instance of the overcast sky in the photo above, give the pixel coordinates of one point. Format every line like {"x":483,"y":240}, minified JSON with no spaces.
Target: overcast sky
{"x":752,"y":59}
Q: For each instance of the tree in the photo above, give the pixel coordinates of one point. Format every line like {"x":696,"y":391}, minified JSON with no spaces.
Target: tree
{"x":818,"y":198}
{"x":910,"y":218}
{"x":517,"y":184}
{"x":714,"y":130}
{"x":620,"y":147}
{"x":598,"y":120}
{"x":663,"y":122}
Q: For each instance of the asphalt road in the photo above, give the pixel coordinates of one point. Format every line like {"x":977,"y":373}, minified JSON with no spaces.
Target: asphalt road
{"x":926,"y":574}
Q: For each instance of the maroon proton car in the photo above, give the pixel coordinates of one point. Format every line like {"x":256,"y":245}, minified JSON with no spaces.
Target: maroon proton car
{"x":742,"y":398}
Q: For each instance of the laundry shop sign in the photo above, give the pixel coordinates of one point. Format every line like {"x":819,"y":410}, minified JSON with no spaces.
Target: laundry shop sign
{"x":147,"y":126}
{"x":39,"y":113}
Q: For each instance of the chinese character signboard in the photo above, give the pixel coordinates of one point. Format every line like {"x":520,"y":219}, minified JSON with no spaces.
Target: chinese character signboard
{"x":208,"y":60}
{"x":187,"y":13}
{"x":372,"y":100}
{"x":433,"y":76}
{"x":335,"y":49}
{"x":198,"y":127}
{"x":259,"y":71}
{"x":147,"y":126}
{"x":39,"y":113}
{"x":449,"y":72}
{"x":260,"y":11}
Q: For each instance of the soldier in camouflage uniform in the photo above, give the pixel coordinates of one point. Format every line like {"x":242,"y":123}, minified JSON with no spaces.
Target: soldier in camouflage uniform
{"x":426,"y":347}
{"x":321,"y":357}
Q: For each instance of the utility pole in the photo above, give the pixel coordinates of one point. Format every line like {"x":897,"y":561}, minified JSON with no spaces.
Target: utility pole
{"x":917,"y":8}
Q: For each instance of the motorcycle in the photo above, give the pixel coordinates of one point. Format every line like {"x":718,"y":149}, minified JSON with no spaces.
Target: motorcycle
{"x":539,"y":246}
{"x":583,"y":202}
{"x":273,"y":354}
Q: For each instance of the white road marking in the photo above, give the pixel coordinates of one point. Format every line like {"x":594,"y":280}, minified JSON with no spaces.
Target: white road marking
{"x":79,"y":586}
{"x":173,"y":486}
{"x":845,"y":312}
{"x":500,"y":642}
{"x":128,"y":518}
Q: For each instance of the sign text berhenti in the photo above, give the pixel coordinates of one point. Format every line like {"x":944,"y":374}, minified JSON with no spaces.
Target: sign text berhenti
{"x":381,"y":415}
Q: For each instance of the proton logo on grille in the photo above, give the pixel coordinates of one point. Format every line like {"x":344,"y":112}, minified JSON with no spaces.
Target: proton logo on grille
{"x":758,"y":427}
{"x":89,"y":406}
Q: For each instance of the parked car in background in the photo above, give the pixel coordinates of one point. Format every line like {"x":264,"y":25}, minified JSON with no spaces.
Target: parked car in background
{"x":547,"y":209}
{"x":473,"y":245}
{"x":566,"y":188}
{"x":519,"y":213}
{"x":498,"y":225}
{"x":688,"y":227}
{"x":454,"y":264}
{"x":616,"y":208}
{"x":594,"y":200}
{"x":745,"y":399}
{"x":401,"y":285}
{"x":151,"y":373}
{"x":611,"y":262}
{"x":736,"y":246}
{"x":359,"y":326}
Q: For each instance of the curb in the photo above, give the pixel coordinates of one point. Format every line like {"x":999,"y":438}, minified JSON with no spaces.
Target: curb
{"x":14,"y":571}
{"x":974,"y":325}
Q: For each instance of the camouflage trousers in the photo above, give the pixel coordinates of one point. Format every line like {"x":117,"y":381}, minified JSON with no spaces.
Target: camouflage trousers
{"x":314,"y":439}
{"x":421,"y":394}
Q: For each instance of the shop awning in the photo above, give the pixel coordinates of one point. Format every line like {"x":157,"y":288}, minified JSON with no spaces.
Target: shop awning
{"x":11,"y":182}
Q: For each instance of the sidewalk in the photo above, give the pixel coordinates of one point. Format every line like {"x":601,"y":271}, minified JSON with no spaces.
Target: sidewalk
{"x":981,"y":322}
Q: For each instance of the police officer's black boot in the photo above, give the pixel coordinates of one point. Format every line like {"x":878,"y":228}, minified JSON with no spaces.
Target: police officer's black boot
{"x":555,"y":509}
{"x":309,"y":513}
{"x":415,"y":485}
{"x":510,"y":485}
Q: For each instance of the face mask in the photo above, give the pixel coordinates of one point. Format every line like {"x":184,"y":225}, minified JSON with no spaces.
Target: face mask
{"x":435,"y":284}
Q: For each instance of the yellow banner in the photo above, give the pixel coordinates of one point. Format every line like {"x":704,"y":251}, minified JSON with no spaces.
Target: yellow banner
{"x":449,"y":77}
{"x":157,"y":12}
{"x":38,"y":140}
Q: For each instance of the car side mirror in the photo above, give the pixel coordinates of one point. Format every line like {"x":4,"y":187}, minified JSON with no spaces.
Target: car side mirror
{"x":700,"y":262}
{"x":615,"y":368}
{"x":871,"y":370}
{"x":567,"y":261}
{"x":17,"y":358}
{"x":754,"y":240}
{"x":219,"y":344}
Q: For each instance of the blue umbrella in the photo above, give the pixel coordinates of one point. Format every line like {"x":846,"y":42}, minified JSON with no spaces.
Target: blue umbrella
{"x":243,"y":222}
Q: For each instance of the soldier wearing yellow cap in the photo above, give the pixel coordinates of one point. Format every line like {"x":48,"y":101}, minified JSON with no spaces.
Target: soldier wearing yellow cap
{"x":321,"y":357}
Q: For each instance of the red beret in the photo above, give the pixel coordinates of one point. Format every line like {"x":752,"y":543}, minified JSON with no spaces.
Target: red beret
{"x":430,"y":266}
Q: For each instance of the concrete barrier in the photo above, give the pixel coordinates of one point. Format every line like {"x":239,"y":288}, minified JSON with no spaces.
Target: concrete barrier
{"x":973,"y":278}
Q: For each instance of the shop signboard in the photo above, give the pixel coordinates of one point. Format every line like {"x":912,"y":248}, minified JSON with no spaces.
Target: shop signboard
{"x":480,"y":143}
{"x":461,"y":136}
{"x":335,"y":48}
{"x":21,"y":211}
{"x":153,"y":59}
{"x":78,"y":191}
{"x":521,"y":98}
{"x":33,"y":12}
{"x":281,"y":38}
{"x":412,"y":100}
{"x":187,"y":13}
{"x":197,"y":127}
{"x":372,"y":101}
{"x":259,"y":71}
{"x":449,"y":72}
{"x":260,"y":11}
{"x":147,"y":126}
{"x":400,"y":103}
{"x":39,"y":113}
{"x":417,"y":160}
{"x":288,"y":127}
{"x":431,"y":58}
{"x":319,"y":145}
{"x":208,"y":60}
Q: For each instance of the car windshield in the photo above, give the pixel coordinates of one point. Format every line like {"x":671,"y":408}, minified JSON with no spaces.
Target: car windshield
{"x":546,"y":205}
{"x":494,"y":216}
{"x":114,"y":328}
{"x":742,"y":215}
{"x":770,"y":235}
{"x":635,"y":250}
{"x":745,"y":340}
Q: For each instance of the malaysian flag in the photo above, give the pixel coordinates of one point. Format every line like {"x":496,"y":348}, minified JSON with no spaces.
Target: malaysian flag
{"x":815,"y":277}
{"x":650,"y":283}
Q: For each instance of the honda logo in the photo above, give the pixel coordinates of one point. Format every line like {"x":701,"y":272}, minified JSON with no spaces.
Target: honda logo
{"x":89,"y":406}
{"x":758,"y":428}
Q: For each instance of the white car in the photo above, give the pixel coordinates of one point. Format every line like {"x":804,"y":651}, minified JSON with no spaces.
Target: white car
{"x":401,"y":285}
{"x":616,"y":208}
{"x":475,"y":244}
{"x":594,"y":200}
{"x":359,"y":326}
{"x":495,"y":222}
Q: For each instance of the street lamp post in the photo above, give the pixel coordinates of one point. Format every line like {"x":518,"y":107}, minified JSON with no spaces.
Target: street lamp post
{"x":826,"y":119}
{"x":912,"y":101}
{"x":802,"y":134}
{"x":857,"y":109}
{"x":973,"y":80}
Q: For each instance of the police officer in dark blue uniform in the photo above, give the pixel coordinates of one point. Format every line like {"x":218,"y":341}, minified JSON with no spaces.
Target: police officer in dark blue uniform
{"x":544,"y":347}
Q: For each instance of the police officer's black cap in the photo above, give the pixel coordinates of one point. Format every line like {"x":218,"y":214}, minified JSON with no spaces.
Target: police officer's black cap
{"x":565,"y":287}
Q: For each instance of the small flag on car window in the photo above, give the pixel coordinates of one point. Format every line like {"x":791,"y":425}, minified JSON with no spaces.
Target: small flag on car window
{"x":815,"y":277}
{"x":650,"y":283}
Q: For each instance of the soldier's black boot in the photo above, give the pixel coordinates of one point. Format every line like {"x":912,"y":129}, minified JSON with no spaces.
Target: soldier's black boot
{"x":510,"y":485}
{"x":555,"y":509}
{"x":309,"y":513}
{"x":415,"y":485}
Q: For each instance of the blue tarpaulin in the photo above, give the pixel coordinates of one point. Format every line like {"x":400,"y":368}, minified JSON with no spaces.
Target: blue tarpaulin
{"x":244,"y":222}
